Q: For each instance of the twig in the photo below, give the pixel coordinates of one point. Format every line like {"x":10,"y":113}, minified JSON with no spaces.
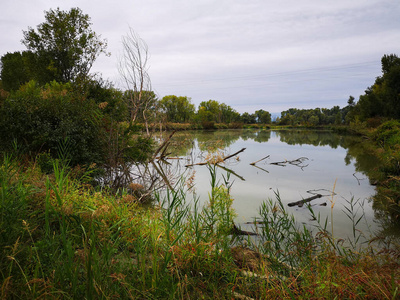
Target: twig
{"x":253,"y":163}
{"x":234,"y":154}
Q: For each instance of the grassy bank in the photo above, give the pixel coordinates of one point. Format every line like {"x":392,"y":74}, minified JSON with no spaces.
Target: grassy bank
{"x":61,"y":239}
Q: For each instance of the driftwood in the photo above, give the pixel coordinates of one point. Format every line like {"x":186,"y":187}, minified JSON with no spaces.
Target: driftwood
{"x":301,"y":202}
{"x":224,"y":159}
{"x":253,"y":163}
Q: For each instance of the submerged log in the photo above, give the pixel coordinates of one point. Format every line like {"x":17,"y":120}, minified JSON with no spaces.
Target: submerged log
{"x":301,"y":202}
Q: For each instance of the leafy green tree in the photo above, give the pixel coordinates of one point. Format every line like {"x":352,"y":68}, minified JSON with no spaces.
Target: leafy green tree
{"x":65,"y":47}
{"x":16,"y":69}
{"x":228,"y":114}
{"x":248,"y":118}
{"x":213,"y":111}
{"x":263,"y":117}
{"x":388,"y":62}
{"x":210,"y":109}
{"x":178,"y":109}
{"x":382,"y":99}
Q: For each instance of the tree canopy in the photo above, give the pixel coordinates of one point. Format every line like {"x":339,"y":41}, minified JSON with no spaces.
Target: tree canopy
{"x":64,"y":46}
{"x":177,"y":109}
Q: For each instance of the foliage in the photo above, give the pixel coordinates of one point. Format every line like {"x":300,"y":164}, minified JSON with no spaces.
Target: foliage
{"x":177,"y":109}
{"x":44,"y":119}
{"x":263,"y":117}
{"x":213,"y":111}
{"x":313,"y":117}
{"x":248,"y":118}
{"x":65,"y":47}
{"x":388,"y":134}
{"x":16,"y":69}
{"x":110,"y":100}
{"x":382,"y":98}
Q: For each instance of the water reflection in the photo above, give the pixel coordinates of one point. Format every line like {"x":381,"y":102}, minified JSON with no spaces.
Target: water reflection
{"x":329,"y":162}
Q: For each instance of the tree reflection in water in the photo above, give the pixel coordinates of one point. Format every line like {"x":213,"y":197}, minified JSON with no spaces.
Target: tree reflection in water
{"x":191,"y":147}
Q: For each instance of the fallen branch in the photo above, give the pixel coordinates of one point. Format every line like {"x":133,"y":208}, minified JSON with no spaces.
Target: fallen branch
{"x":301,"y":202}
{"x":224,"y":159}
{"x":234,"y":154}
{"x":253,"y":163}
{"x":279,"y":163}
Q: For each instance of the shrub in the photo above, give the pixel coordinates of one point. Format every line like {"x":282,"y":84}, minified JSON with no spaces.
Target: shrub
{"x":49,"y":118}
{"x":388,"y":134}
{"x":208,"y":125}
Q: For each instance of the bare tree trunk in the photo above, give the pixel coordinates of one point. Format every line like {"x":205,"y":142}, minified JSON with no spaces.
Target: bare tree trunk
{"x":133,"y":67}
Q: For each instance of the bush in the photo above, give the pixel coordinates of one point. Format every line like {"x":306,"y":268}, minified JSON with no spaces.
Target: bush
{"x":208,"y":125}
{"x":52,"y":119}
{"x":388,"y":134}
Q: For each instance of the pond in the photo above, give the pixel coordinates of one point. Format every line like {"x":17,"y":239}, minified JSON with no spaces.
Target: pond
{"x":296,"y":164}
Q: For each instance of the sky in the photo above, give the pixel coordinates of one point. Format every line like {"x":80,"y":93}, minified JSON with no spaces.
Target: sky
{"x":251,"y":55}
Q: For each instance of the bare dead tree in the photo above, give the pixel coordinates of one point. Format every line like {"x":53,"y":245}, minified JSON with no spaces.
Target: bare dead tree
{"x":133,"y":67}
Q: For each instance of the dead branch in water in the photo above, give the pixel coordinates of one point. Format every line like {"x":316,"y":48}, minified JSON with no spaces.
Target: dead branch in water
{"x":224,"y":159}
{"x":296,"y":162}
{"x":301,"y":202}
{"x":253,"y":163}
{"x":234,"y":154}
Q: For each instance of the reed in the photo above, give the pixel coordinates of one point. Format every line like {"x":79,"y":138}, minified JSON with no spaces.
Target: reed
{"x":61,"y":239}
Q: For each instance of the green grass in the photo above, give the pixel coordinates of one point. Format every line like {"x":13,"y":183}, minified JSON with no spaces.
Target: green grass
{"x":62,"y":239}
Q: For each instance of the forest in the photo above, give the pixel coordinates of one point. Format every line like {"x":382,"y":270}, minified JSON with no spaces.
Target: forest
{"x":71,"y":225}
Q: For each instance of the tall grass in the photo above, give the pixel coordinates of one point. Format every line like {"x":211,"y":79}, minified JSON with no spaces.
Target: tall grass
{"x":60,"y":239}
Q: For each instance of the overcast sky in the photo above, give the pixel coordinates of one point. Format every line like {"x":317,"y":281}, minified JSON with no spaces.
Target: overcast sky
{"x":253,"y":54}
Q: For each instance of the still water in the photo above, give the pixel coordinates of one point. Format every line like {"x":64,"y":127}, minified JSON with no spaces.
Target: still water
{"x":297,"y":164}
